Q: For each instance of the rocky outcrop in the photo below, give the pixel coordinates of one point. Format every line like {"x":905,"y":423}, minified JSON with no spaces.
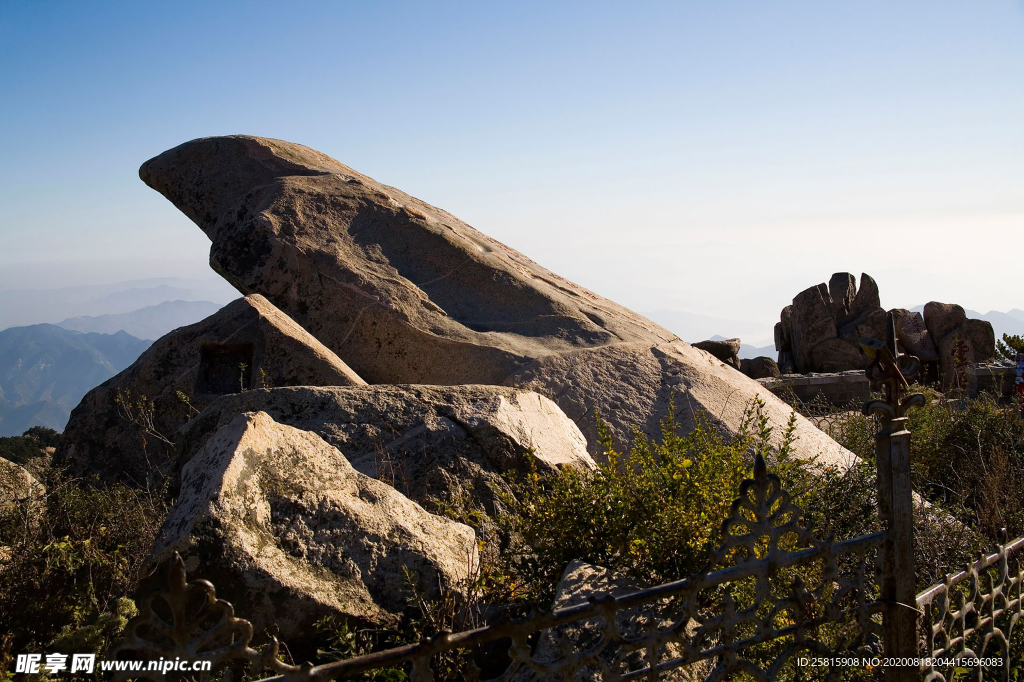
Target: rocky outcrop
{"x":439,"y":445}
{"x":726,"y":350}
{"x":406,"y":293}
{"x":821,"y":330}
{"x":960,"y":341}
{"x":289,"y":531}
{"x":247,"y":344}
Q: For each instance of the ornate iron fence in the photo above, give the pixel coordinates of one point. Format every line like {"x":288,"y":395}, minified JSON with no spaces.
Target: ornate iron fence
{"x":775,"y":598}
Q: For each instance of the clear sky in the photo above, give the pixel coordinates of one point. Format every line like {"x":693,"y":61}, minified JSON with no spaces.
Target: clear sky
{"x":711,"y":157}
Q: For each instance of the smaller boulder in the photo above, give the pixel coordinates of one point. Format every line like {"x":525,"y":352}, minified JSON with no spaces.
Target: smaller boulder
{"x":726,"y":350}
{"x":289,"y":532}
{"x":18,"y":486}
{"x":943,"y":318}
{"x":762,"y":368}
{"x":581,"y":582}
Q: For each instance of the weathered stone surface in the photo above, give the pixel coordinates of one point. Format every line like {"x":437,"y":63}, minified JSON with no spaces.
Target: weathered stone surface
{"x":638,"y":382}
{"x":762,"y":367}
{"x":786,"y":364}
{"x":432,"y":443}
{"x":407,"y":293}
{"x":289,"y":532}
{"x":866,"y":300}
{"x":960,"y":341}
{"x":812,"y":323}
{"x":869,"y":323}
{"x":837,"y":355}
{"x":785,"y":332}
{"x":247,"y":344}
{"x":913,"y":335}
{"x":17,"y":485}
{"x":725,"y":350}
{"x":842,"y":287}
{"x":943,"y":318}
{"x":972,"y":342}
{"x":582,"y":582}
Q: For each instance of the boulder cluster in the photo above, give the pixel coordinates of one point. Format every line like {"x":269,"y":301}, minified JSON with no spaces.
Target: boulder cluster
{"x":821,"y":331}
{"x":385,"y":359}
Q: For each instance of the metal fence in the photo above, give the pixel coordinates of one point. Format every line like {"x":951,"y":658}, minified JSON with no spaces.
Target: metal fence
{"x":776,"y":602}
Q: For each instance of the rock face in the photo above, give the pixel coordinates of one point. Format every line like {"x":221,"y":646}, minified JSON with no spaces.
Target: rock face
{"x":821,"y":330}
{"x":247,"y":344}
{"x":960,"y":341}
{"x":275,"y":516}
{"x":762,"y":368}
{"x":727,"y":350}
{"x":407,"y":293}
{"x":17,"y":485}
{"x":436,"y":444}
{"x":913,"y":335}
{"x":813,"y":323}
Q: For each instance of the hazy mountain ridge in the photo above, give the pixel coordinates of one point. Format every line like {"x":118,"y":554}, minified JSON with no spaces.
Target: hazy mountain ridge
{"x":23,"y":307}
{"x":150,"y":322}
{"x":45,"y":370}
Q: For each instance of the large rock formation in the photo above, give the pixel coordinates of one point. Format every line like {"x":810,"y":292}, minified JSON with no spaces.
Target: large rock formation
{"x":288,"y":531}
{"x":247,"y":344}
{"x":441,"y":445}
{"x":407,"y":293}
{"x":821,"y":330}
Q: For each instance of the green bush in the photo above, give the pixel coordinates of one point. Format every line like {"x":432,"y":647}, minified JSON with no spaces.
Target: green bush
{"x":72,"y":563}
{"x":653,"y":516}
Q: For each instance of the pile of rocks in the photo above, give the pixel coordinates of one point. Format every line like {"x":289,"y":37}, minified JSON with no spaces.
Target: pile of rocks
{"x":386,"y":355}
{"x":821,"y":331}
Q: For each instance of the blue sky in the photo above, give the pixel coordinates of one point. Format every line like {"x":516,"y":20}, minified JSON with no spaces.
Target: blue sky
{"x":714,"y":157}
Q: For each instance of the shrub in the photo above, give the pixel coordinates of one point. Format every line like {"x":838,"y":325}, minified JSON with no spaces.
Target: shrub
{"x":72,"y":563}
{"x":652,"y":516}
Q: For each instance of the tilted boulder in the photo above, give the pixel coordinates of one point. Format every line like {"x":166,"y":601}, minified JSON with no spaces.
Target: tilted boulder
{"x":726,"y":350}
{"x":289,"y":532}
{"x":247,"y":344}
{"x":406,"y":293}
{"x":436,"y":444}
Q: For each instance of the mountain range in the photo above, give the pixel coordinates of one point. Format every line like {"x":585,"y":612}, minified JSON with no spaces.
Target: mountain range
{"x":45,"y":370}
{"x":150,"y":322}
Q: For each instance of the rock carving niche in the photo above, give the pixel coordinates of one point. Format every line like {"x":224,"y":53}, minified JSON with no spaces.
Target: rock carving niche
{"x":224,"y":368}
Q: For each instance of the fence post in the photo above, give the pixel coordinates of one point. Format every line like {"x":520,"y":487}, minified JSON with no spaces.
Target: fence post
{"x":888,"y":371}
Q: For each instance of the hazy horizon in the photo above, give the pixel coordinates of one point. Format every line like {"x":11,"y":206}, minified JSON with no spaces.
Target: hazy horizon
{"x":712,"y":159}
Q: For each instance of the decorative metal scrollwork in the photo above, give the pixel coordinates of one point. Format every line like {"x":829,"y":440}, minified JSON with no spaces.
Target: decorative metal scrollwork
{"x":193,"y":625}
{"x":973,"y":615}
{"x":888,"y":373}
